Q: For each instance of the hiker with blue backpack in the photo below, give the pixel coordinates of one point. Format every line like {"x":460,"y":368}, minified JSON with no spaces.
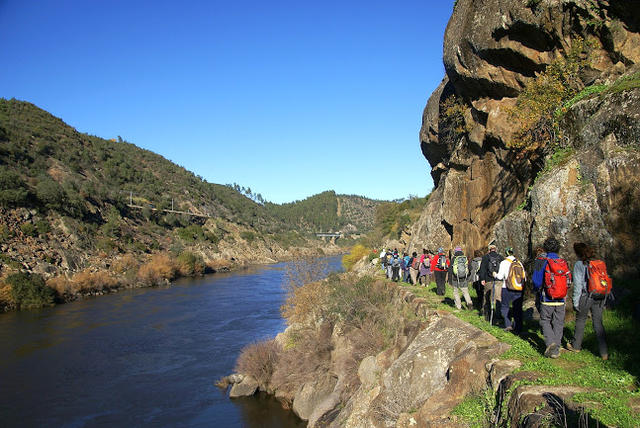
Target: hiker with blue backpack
{"x":551,"y":281}
{"x":440,"y":266}
{"x":459,"y":275}
{"x":511,"y":273}
{"x":591,"y":287}
{"x":406,"y":258}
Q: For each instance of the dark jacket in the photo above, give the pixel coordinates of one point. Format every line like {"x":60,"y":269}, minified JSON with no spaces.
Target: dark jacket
{"x":485,"y":265}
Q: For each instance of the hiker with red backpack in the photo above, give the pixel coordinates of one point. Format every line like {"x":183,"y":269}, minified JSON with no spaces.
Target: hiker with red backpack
{"x":592,"y":286}
{"x":512,"y":275}
{"x":439,"y":266}
{"x":414,"y":268}
{"x":551,"y":280}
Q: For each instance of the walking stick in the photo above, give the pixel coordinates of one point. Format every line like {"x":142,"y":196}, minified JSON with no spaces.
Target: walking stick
{"x":493,"y":302}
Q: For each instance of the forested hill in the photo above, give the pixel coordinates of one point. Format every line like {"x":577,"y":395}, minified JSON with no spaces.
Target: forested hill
{"x":63,"y":192}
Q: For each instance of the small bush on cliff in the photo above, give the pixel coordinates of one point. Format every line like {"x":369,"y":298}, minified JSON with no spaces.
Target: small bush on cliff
{"x":29,"y":290}
{"x":357,"y":252}
{"x":87,"y":281}
{"x":259,"y":360}
{"x":544,"y":95}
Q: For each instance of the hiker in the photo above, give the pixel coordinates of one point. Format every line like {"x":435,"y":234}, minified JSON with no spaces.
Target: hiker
{"x":475,"y":270}
{"x":551,"y":281}
{"x":395,"y":268}
{"x":585,"y":301}
{"x":512,"y":275}
{"x":459,"y":274}
{"x":425,"y":268}
{"x":413,"y":268}
{"x":383,"y":255}
{"x":490,"y":263}
{"x":389,"y":259}
{"x":439,"y":266}
{"x":407,"y":261}
{"x":538,"y":264}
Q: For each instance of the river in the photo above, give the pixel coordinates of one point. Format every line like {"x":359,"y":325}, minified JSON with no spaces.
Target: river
{"x":142,"y":357}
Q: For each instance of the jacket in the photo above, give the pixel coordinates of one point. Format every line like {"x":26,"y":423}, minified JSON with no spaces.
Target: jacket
{"x":484,"y":273}
{"x":434,"y":262}
{"x":579,"y":281}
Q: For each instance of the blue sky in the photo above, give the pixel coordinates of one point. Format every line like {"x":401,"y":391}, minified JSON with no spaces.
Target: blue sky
{"x":288,"y":98}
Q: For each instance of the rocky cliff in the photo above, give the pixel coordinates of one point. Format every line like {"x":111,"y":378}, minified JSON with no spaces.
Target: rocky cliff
{"x":492,"y":51}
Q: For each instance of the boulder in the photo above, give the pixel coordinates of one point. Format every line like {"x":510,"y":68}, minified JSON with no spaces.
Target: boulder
{"x":247,"y":387}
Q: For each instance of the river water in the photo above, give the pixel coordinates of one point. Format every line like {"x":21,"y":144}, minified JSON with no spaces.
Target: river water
{"x":143,"y":357}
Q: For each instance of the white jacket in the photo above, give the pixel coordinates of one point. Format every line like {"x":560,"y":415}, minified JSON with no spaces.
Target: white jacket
{"x":503,"y":270}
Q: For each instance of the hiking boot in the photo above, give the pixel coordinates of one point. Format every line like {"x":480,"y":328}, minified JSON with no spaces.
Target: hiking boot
{"x":556,"y":352}
{"x":549,"y":350}
{"x":508,"y":328}
{"x":605,"y":357}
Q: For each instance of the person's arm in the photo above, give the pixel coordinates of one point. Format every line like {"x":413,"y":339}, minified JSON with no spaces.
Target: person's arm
{"x":503,"y":270}
{"x":538,"y":276}
{"x":579,"y":280}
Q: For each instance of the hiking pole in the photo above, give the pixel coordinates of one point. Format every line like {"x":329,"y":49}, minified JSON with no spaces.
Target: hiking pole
{"x":493,"y":302}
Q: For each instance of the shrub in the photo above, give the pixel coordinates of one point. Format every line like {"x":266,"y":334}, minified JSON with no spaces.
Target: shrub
{"x":157,"y":270}
{"x":62,"y":286}
{"x":357,"y":252}
{"x":50,"y":193}
{"x":6,"y":299}
{"x":248,"y":236}
{"x":43,"y":227}
{"x":190,"y":264}
{"x":29,"y":290}
{"x":13,"y":191}
{"x":88,"y":281}
{"x":28,"y":229}
{"x":125,"y":264}
{"x":259,"y":360}
{"x":536,"y":106}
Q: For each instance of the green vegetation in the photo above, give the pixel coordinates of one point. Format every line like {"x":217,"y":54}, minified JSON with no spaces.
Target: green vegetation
{"x":537,"y":103}
{"x":356,"y":253}
{"x":29,"y":290}
{"x":392,"y":218}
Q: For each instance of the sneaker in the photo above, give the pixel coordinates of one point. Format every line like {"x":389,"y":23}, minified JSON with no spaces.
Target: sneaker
{"x":570,"y":347}
{"x":549,"y":350}
{"x":556,"y":352}
{"x":508,"y":328}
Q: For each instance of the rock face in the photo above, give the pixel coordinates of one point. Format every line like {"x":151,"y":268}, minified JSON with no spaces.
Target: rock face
{"x":491,"y":50}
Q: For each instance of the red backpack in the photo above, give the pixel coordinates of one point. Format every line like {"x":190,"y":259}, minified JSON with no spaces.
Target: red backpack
{"x":557,"y":277}
{"x":598,"y":282}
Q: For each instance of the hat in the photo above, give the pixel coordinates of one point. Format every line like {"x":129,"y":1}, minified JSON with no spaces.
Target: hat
{"x":492,"y":247}
{"x":458,"y":248}
{"x":508,"y":251}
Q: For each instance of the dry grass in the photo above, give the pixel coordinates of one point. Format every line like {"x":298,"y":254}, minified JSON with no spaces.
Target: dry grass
{"x":6,"y":300}
{"x":159,"y":269}
{"x":61,"y":285}
{"x":88,"y":281}
{"x":304,"y":304}
{"x":125,"y":264}
{"x":259,"y":360}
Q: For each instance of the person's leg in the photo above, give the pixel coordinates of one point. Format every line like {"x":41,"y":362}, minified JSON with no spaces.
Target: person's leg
{"x":504,"y":308}
{"x":557,"y":324}
{"x":440,"y":279}
{"x":516,"y":306}
{"x":581,"y":319}
{"x":486,"y":300}
{"x":456,"y":297}
{"x":545,"y":323}
{"x":596,"y":317}
{"x":467,"y":297}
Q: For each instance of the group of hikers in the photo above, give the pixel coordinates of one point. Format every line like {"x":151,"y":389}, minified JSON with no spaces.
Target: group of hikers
{"x":500,"y":282}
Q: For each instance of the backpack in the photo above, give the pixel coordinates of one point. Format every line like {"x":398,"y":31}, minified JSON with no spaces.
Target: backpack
{"x":494,"y":262}
{"x":598,"y":282}
{"x":460,"y":266}
{"x":557,"y":276}
{"x":475,"y":268}
{"x":415,"y":263}
{"x":395,"y":262}
{"x":515,"y":277}
{"x":442,"y":262}
{"x":387,"y":260}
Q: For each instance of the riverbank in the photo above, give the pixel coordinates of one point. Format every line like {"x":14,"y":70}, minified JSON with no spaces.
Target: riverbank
{"x":25,"y":289}
{"x":361,"y":352}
